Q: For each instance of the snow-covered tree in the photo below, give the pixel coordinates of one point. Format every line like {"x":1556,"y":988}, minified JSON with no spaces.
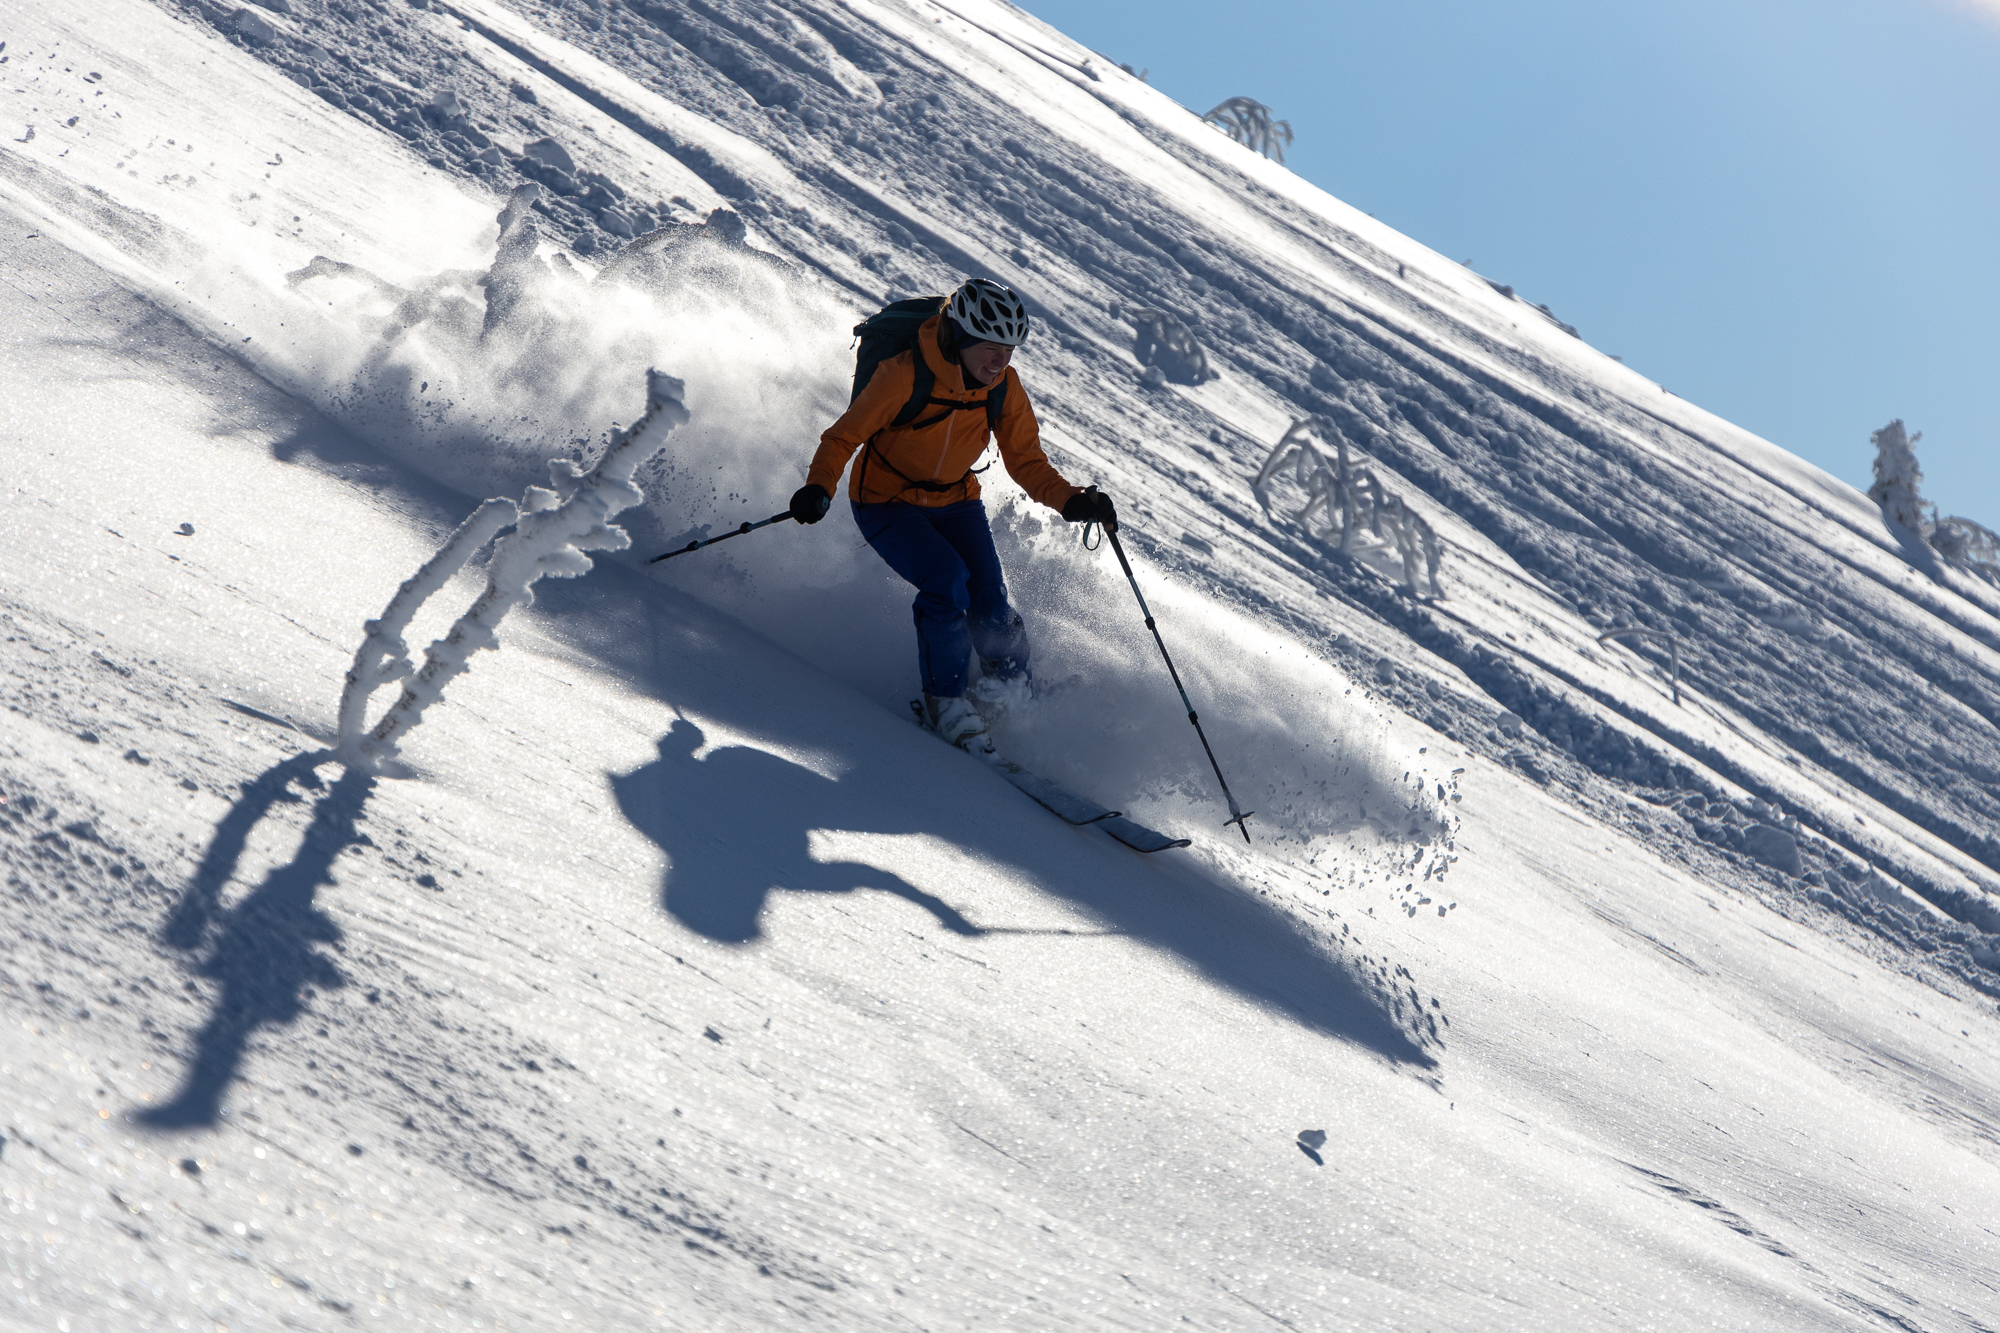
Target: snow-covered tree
{"x":1249,"y":122}
{"x":1899,"y":481}
{"x":1898,"y":489}
{"x":1969,"y":545}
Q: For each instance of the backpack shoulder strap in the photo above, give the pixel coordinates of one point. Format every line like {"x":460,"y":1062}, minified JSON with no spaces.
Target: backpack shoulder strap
{"x":996,"y":399}
{"x":923,"y":380}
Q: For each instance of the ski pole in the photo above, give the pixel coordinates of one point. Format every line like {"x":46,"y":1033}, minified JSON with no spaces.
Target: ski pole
{"x":1237,"y":815}
{"x":747,"y":527}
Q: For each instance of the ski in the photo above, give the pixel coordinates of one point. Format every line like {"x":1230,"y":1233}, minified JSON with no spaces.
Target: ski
{"x":1074,"y":809}
{"x":1067,"y":806}
{"x":1139,"y":837}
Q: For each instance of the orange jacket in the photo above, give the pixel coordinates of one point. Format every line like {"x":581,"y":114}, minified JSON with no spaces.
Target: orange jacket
{"x":940,"y":445}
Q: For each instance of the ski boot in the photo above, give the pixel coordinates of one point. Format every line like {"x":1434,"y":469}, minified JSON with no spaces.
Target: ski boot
{"x":958,"y":722}
{"x":995,"y":696}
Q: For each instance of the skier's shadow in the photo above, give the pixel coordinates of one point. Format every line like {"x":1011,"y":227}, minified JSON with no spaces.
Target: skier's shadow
{"x":735,"y":824}
{"x":262,"y":951}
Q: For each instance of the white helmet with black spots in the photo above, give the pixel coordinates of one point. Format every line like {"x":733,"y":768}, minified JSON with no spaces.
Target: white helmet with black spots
{"x":990,"y":312}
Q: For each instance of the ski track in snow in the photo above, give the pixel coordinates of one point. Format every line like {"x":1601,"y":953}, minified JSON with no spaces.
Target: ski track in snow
{"x":683,"y":983}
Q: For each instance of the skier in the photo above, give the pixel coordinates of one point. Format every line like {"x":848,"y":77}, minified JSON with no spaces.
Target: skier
{"x":917,"y":503}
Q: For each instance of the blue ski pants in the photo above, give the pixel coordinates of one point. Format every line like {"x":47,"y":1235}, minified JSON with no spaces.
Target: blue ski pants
{"x":946,"y":554}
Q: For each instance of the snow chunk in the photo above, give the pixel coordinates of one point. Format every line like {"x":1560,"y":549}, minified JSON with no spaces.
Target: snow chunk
{"x":1774,"y":847}
{"x":550,"y":154}
{"x":254,"y":28}
{"x":728,"y":225}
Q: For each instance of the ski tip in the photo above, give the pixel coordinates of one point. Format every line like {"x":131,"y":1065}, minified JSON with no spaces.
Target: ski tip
{"x":1140,"y":838}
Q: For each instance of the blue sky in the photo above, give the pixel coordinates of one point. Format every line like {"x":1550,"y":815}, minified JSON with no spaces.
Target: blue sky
{"x":1786,"y":212}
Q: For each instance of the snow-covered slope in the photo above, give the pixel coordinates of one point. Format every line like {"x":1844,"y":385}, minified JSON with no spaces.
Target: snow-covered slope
{"x":683,"y":982}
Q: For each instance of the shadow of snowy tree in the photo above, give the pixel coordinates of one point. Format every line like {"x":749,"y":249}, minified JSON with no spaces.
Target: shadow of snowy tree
{"x":265,"y":952}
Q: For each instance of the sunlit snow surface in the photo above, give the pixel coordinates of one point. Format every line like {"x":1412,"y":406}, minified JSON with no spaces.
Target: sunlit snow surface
{"x":683,"y":982}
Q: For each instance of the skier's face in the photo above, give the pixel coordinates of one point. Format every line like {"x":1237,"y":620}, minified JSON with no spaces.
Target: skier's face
{"x":985,"y":361}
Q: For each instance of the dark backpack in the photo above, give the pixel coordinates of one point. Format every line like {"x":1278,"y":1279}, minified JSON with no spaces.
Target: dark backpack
{"x":891,"y":331}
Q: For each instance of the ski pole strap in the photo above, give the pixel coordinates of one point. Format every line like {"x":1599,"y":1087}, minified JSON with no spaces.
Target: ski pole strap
{"x":1238,"y":815}
{"x":747,"y":527}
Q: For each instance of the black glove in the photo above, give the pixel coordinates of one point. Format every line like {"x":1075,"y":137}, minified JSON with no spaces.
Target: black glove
{"x":1091,"y":506}
{"x":810,"y":503}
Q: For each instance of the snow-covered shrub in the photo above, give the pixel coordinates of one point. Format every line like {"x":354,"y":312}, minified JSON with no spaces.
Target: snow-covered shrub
{"x":1898,"y":489}
{"x":383,"y":656}
{"x":1971,"y":546}
{"x":1898,"y":479}
{"x":1249,"y":122}
{"x":1168,"y":345}
{"x":1355,"y":503}
{"x":553,"y":529}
